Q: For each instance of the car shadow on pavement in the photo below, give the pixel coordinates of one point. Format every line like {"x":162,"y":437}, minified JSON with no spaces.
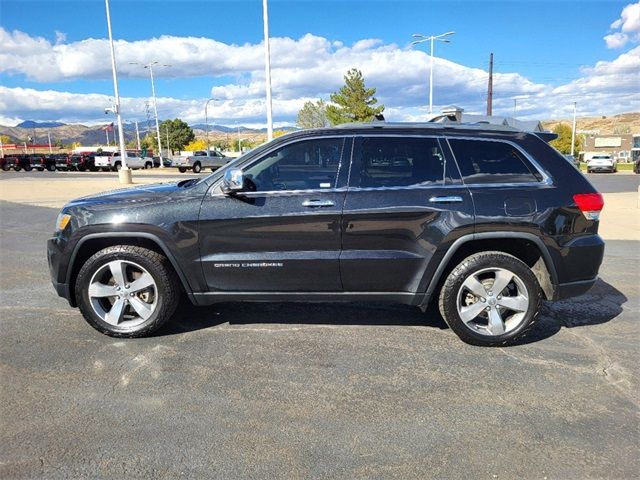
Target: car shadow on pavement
{"x":600,"y":305}
{"x":189,"y":318}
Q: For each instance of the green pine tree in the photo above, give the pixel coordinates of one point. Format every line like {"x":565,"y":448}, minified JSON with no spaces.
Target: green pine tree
{"x":353,"y":102}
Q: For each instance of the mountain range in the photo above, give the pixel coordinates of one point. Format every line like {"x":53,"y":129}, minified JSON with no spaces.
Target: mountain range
{"x":93,"y":135}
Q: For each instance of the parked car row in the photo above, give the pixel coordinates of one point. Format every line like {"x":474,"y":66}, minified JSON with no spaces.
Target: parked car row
{"x":81,"y":162}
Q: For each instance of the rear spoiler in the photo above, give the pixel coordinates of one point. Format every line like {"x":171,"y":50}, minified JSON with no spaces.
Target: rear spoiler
{"x":546,"y":136}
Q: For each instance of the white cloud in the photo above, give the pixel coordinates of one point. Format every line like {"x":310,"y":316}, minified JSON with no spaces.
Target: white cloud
{"x":629,"y":26}
{"x":308,"y":68}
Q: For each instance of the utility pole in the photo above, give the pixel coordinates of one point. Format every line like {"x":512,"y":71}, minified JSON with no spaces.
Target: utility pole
{"x":49,"y":137}
{"x":107,"y":132}
{"x":267,"y":69}
{"x":515,"y":106}
{"x":490,"y":87}
{"x":138,"y":136}
{"x":1,"y":148}
{"x":124,"y":174}
{"x":573,"y":130}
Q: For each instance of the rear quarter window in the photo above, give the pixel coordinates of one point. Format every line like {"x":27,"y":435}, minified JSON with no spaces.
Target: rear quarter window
{"x":486,"y":162}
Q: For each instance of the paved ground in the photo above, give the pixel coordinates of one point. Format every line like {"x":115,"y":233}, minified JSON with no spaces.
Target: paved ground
{"x":313,"y":391}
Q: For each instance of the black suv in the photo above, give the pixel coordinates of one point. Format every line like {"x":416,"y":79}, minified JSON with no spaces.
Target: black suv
{"x":485,"y":221}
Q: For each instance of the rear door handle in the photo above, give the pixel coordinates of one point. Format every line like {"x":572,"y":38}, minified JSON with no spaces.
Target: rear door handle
{"x":446,"y":199}
{"x":317,"y":203}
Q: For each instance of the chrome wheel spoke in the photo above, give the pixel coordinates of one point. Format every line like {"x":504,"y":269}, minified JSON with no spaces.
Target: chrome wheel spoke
{"x":145,"y":281}
{"x":142,"y":308}
{"x":97,"y":290}
{"x":123,"y":294}
{"x":519,"y":303}
{"x":472,"y":311}
{"x":495,"y":325}
{"x":502,"y":279}
{"x":118,"y":269}
{"x":114,"y":316}
{"x":474,"y":286}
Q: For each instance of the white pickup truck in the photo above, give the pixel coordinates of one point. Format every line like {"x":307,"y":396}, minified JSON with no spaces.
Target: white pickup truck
{"x":199,"y":160}
{"x":114,"y":162}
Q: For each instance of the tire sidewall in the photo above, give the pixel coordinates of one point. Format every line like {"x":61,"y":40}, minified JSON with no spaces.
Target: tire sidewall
{"x":84,"y":303}
{"x":197,"y":168}
{"x":473,"y":264}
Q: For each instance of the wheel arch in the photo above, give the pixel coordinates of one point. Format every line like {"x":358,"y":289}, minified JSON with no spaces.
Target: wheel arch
{"x":517,"y":244}
{"x":92,"y":243}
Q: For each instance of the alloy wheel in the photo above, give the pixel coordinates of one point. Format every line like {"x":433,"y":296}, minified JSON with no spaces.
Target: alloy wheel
{"x":492,"y":301}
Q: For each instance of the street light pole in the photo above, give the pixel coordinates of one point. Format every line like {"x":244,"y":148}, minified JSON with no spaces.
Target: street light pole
{"x":49,"y":137}
{"x":573,"y":130}
{"x":155,"y":103}
{"x":423,"y":38}
{"x":138,"y":136}
{"x":124,"y":174}
{"x":206,"y":119}
{"x":267,"y":69}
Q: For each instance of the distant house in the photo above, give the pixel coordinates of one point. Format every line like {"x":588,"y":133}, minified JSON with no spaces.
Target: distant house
{"x":623,"y":147}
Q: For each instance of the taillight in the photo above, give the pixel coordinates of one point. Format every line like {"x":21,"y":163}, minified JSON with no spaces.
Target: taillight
{"x":590,"y":204}
{"x":68,"y":160}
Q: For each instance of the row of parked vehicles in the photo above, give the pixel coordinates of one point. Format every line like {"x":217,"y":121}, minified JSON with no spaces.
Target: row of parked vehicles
{"x":82,"y":161}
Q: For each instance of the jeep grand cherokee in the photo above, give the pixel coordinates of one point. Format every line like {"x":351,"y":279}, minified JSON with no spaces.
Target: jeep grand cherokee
{"x":486,"y":221}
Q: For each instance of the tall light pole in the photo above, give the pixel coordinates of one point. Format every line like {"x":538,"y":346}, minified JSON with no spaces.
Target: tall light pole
{"x":138,"y":137}
{"x":423,"y":38}
{"x":573,"y":130}
{"x":206,"y":119}
{"x":49,"y":137}
{"x":124,"y":174}
{"x":267,"y":69}
{"x":155,"y":103}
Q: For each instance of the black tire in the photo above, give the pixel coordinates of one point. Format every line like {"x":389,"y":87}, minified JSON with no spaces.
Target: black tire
{"x":182,"y":169}
{"x":117,"y":166}
{"x":27,"y":168}
{"x":159,"y":268}
{"x":17,"y":168}
{"x":5,"y":167}
{"x":51,"y":168}
{"x":197,"y":168}
{"x":148,"y":165}
{"x":478,"y":262}
{"x":41,"y":169}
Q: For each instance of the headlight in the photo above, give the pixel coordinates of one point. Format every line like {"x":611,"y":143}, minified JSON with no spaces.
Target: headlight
{"x":62,"y":221}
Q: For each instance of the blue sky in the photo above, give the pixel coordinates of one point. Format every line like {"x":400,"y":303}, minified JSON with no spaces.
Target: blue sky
{"x":546,"y":44}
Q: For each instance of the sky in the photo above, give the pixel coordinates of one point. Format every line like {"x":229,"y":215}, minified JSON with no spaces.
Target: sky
{"x":55,"y":63}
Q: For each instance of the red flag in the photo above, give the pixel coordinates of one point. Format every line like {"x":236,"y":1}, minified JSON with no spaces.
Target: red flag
{"x":108,"y":128}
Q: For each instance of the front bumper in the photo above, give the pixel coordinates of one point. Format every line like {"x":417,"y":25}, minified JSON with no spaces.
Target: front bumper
{"x":58,"y":269}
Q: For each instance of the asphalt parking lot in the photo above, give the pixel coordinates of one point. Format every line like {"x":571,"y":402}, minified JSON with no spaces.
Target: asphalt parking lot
{"x":313,"y":391}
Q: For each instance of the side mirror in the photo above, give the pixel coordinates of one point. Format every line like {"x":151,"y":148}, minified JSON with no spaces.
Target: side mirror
{"x":233,"y":181}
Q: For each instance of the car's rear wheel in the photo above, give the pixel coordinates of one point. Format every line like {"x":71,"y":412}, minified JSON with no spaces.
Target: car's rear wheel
{"x":17,"y":168}
{"x":126,"y":291}
{"x":490,"y":299}
{"x":118,"y":166}
{"x":197,"y":168}
{"x":182,"y":169}
{"x":148,"y":165}
{"x":51,"y":168}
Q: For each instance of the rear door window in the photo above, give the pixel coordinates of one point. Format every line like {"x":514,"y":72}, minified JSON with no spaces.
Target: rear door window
{"x":399,"y":162}
{"x":484,"y":161}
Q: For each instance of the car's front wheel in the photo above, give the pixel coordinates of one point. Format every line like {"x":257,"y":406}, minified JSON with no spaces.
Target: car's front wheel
{"x":197,"y":168}
{"x":126,"y":291}
{"x":490,"y":299}
{"x":182,"y":169}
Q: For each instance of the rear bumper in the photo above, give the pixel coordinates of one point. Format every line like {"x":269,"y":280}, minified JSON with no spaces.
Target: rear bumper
{"x":573,"y":289}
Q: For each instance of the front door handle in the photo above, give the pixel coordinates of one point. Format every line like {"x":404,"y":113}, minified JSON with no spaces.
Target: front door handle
{"x":317,"y":203}
{"x":447,"y":199}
